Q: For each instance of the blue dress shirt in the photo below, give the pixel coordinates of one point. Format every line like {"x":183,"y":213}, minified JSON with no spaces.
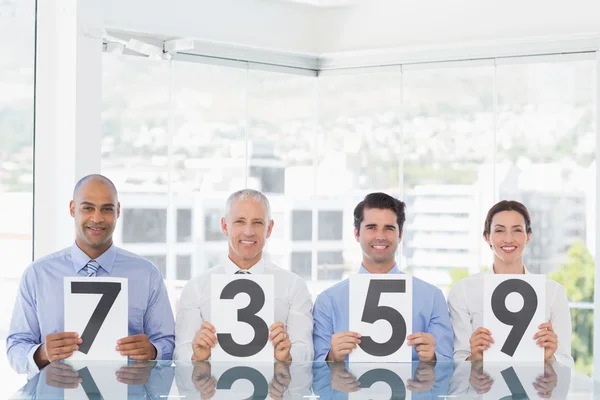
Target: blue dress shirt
{"x":40,"y":302}
{"x":430,"y":315}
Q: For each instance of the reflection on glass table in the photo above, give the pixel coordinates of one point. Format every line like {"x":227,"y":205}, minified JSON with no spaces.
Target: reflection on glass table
{"x":206,"y":380}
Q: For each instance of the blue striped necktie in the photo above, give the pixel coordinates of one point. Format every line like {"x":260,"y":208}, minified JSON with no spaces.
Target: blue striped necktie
{"x":242,"y":272}
{"x":92,"y":267}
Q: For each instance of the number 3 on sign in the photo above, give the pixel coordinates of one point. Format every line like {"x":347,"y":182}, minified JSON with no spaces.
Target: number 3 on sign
{"x":513,"y":308}
{"x":242,"y":310}
{"x":381,"y":312}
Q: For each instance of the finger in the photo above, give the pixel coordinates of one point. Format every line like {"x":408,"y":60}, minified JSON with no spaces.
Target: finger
{"x":208,"y":336}
{"x":345,"y":346}
{"x":279,"y":338}
{"x":60,"y":384}
{"x":63,"y":342}
{"x":345,"y":339}
{"x":62,"y":356}
{"x":202,"y":342}
{"x":346,"y":334}
{"x":546,"y":325}
{"x":425,"y":339}
{"x":66,"y":373}
{"x":61,"y":335}
{"x":207,"y":325}
{"x":277,"y":386}
{"x":62,"y":350}
{"x":130,"y":346}
{"x":132,"y":339}
{"x":482,"y":330}
{"x":275,"y":332}
{"x":208,"y":385}
{"x":485,"y":337}
{"x":136,"y":352}
{"x":129,"y":375}
{"x":276,"y":325}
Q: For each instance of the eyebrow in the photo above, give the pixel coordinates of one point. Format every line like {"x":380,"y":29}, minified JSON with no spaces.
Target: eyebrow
{"x":87,"y":203}
{"x":385,"y":226}
{"x":502,"y":226}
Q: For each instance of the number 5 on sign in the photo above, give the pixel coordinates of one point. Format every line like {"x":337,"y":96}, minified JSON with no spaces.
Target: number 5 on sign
{"x":242,"y":309}
{"x":381,"y":312}
{"x":513,"y":308}
{"x":97,"y":309}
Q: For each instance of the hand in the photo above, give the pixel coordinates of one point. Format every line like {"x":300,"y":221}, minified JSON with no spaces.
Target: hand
{"x":281,"y":342}
{"x":137,"y":373}
{"x":203,"y":380}
{"x":546,"y":384}
{"x":425,"y":345}
{"x":137,"y":347}
{"x":423,"y":378}
{"x":342,"y":344}
{"x":62,"y":376}
{"x":547,"y":339}
{"x":342,"y":380}
{"x":57,"y":346}
{"x":204,"y":340}
{"x":281,"y":380}
{"x":480,"y":341}
{"x":479,"y":380}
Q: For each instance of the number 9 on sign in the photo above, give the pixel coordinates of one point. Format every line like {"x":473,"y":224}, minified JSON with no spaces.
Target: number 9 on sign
{"x":381,"y":312}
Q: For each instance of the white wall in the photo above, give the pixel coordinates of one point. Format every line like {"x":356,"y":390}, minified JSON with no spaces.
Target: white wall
{"x":405,"y":23}
{"x":267,"y":24}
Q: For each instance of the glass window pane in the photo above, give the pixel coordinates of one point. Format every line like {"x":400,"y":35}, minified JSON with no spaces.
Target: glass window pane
{"x":448,"y":170}
{"x":302,"y":264}
{"x":331,"y":225}
{"x":184,"y":267}
{"x":546,"y":154}
{"x":184,"y":225}
{"x":212,"y":225}
{"x":144,"y":225}
{"x":301,"y":225}
{"x":17,"y":46}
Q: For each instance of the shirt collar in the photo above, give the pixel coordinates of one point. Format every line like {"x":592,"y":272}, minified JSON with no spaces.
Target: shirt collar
{"x":491,"y":271}
{"x":232,"y":268}
{"x":106,"y":259}
{"x":394,"y":270}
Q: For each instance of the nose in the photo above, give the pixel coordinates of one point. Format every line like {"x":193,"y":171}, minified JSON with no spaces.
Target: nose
{"x":248,"y":230}
{"x":97,"y":216}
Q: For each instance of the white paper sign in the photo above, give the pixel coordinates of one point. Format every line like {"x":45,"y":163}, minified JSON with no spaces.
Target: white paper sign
{"x":242,"y":381}
{"x":99,"y":382}
{"x":385,"y":381}
{"x":97,"y":309}
{"x":242,"y":310}
{"x":513,"y":308}
{"x":381,"y":312}
{"x":513,"y":381}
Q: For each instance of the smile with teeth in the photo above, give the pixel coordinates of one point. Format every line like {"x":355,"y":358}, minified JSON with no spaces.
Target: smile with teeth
{"x":509,"y":249}
{"x":246,"y":242}
{"x":379,"y":247}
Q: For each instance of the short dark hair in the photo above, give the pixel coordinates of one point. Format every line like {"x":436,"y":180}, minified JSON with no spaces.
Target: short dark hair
{"x":506,"y":205}
{"x":381,"y":201}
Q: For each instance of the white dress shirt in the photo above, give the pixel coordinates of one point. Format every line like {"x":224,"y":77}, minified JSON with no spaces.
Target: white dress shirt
{"x":293,"y":307}
{"x":465,"y":302}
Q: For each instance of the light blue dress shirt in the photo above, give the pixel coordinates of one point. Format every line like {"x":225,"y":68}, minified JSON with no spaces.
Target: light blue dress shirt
{"x":40,"y":302}
{"x":430,"y":315}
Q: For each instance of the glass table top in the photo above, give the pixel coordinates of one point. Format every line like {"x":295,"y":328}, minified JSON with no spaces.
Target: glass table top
{"x":213,"y":380}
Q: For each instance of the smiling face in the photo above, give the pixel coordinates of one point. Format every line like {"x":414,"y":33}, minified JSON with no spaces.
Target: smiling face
{"x":247,"y":228}
{"x":95,"y":209}
{"x":379,"y":236}
{"x":508,"y":237}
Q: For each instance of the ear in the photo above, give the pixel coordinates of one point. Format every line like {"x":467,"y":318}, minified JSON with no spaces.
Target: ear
{"x":72,"y":208}
{"x":356,"y":235}
{"x":528,"y":238}
{"x":400,"y":236}
{"x":224,"y":227}
{"x":118,"y":209}
{"x":270,"y":227}
{"x":486,"y":236}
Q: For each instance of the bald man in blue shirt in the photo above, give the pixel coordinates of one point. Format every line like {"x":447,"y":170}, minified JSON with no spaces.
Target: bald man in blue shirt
{"x":378,"y":222}
{"x":36,"y":336}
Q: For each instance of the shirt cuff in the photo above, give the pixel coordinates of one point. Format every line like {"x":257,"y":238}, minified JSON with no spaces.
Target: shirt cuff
{"x":32,"y":366}
{"x":159,"y":350}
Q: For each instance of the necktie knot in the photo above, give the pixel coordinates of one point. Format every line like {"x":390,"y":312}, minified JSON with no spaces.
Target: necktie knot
{"x":92,"y":267}
{"x":242,"y":272}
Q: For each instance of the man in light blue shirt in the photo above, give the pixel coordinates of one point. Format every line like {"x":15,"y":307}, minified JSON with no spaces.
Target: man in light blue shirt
{"x":36,"y":335}
{"x":378,"y":222}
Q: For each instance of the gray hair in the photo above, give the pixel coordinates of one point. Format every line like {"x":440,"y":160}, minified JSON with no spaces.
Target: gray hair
{"x":248,"y":194}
